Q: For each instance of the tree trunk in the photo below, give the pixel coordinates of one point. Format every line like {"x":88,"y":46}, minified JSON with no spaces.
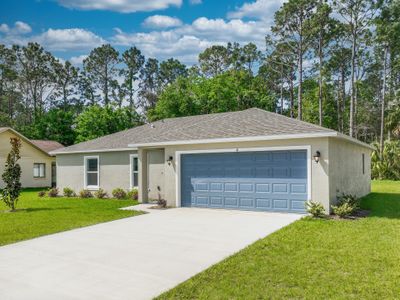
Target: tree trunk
{"x":131,"y":90}
{"x":291,"y":90}
{"x":281,"y":91}
{"x":106,"y":87}
{"x":381,"y":142}
{"x":299,"y":91}
{"x":352,"y":98}
{"x":320,"y":54}
{"x":338,"y":104}
{"x":343,"y":92}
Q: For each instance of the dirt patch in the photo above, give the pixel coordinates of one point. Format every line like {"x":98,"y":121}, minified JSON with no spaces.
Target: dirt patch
{"x":359,"y":214}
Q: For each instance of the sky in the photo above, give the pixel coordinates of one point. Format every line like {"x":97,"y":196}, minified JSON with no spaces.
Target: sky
{"x":159,"y":28}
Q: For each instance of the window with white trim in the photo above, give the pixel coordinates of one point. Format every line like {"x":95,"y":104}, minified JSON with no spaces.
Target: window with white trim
{"x":39,"y":170}
{"x":91,"y":171}
{"x":134,"y":171}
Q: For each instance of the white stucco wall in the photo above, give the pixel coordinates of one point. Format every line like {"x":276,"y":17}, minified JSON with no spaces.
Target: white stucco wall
{"x":114,"y":168}
{"x":29,"y":156}
{"x":339,"y":169}
{"x":346,"y":170}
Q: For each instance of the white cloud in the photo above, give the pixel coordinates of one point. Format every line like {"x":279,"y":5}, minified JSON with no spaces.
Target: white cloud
{"x":195,"y":2}
{"x":69,"y":39}
{"x":159,"y":21}
{"x":77,"y":60}
{"x":123,"y":6}
{"x":53,"y":39}
{"x":22,"y":28}
{"x":187,"y":41}
{"x":259,"y":9}
{"x":18,"y":28}
{"x":4,"y":28}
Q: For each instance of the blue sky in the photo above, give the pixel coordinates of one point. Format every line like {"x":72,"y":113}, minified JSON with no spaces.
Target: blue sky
{"x":160,"y":28}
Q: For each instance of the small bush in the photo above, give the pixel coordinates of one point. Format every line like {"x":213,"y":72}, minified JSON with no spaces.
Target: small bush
{"x":85,"y":194}
{"x":351,"y":200}
{"x":343,"y":210}
{"x":162,"y":203}
{"x":119,"y":193}
{"x":101,"y":194}
{"x":316,"y":209}
{"x":53,"y":192}
{"x":133,"y":194}
{"x":67,"y":192}
{"x":41,"y":194}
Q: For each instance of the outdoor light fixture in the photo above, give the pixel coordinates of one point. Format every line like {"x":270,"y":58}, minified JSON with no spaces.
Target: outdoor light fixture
{"x":317,"y":156}
{"x":170,"y":159}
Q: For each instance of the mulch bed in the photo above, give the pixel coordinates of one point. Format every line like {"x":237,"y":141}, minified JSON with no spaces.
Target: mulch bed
{"x":359,"y":214}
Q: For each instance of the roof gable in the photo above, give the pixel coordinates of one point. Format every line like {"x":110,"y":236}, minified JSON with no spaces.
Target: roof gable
{"x":38,"y":145}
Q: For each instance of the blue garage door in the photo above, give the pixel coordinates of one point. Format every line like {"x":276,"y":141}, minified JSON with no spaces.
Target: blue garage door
{"x":270,"y":180}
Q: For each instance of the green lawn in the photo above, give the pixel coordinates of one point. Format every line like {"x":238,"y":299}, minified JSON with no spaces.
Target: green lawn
{"x":41,"y":216}
{"x":314,"y":259}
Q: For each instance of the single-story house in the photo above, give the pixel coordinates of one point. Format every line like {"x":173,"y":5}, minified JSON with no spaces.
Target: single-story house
{"x":250,"y":160}
{"x":37,"y":165}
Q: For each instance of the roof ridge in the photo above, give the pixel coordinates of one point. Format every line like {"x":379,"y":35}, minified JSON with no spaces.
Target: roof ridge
{"x":293,"y":119}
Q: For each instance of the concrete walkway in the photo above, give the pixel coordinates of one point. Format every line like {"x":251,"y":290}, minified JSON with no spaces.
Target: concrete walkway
{"x":133,"y":258}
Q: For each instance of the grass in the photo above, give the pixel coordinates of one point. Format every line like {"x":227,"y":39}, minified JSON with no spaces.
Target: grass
{"x":40,"y":216}
{"x":314,"y":259}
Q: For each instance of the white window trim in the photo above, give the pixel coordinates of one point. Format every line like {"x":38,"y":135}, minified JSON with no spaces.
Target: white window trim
{"x":131,"y":157}
{"x":44,"y":170}
{"x":91,"y":187}
{"x":179,"y":153}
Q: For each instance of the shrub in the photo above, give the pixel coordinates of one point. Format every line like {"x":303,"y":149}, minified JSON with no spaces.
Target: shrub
{"x":387,"y":164}
{"x":351,"y":200}
{"x":343,"y":210}
{"x":101,"y":194}
{"x":53,"y":192}
{"x":119,"y":193}
{"x":316,"y":209}
{"x":161,"y":203}
{"x":12,"y":175}
{"x":133,"y":194}
{"x":85,"y":194}
{"x":67,"y":192}
{"x":41,"y":194}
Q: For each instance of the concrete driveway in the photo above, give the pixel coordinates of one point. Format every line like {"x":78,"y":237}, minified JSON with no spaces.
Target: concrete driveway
{"x":132,"y":258}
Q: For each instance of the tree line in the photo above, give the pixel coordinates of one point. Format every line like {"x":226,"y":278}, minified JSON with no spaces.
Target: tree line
{"x":332,"y":63}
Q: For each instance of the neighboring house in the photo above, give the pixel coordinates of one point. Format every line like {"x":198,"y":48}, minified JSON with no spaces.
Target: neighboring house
{"x":38,"y":166}
{"x":251,"y":160}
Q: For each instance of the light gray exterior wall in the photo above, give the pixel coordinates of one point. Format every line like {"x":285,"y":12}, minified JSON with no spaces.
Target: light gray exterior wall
{"x":339,"y":169}
{"x":319,"y":172}
{"x":115,"y":170}
{"x":346,"y":170}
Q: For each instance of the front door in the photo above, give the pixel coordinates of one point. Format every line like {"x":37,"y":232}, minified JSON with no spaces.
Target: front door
{"x":155,"y":179}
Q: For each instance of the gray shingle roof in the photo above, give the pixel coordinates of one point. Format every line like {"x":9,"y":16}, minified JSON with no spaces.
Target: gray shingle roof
{"x":247,"y":123}
{"x":47,"y":145}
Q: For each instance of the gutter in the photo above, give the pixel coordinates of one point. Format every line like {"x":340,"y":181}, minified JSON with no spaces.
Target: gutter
{"x":55,"y":152}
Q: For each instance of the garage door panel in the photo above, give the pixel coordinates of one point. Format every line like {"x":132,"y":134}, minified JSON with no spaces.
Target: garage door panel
{"x":250,"y":180}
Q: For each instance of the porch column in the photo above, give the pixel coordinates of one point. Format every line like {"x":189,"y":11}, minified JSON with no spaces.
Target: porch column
{"x":142,"y":160}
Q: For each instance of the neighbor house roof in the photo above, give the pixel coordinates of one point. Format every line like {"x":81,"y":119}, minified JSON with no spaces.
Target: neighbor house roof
{"x":249,"y":124}
{"x":46,"y":145}
{"x":41,"y":145}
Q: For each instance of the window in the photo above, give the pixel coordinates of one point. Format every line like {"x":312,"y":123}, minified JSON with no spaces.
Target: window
{"x":91,"y":171}
{"x":134,"y":171}
{"x":363,"y":163}
{"x":39,"y":170}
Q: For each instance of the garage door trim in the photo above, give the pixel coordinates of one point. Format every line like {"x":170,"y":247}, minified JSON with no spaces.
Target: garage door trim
{"x":254,"y":149}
